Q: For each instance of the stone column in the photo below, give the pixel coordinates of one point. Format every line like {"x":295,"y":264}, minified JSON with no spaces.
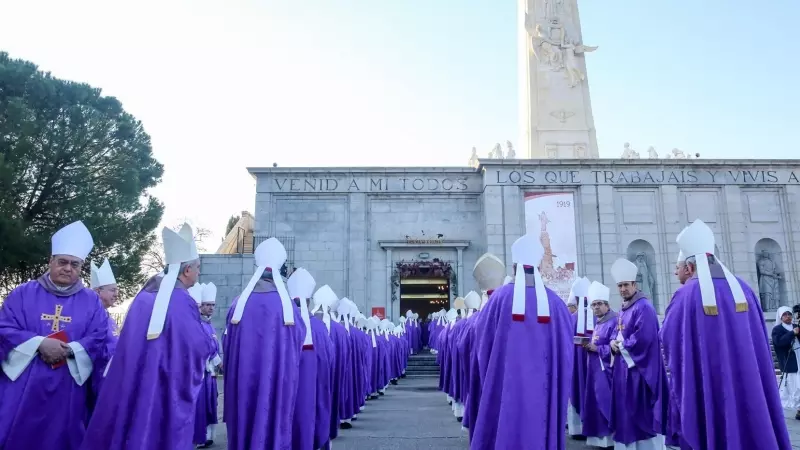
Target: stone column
{"x":389,"y":286}
{"x":460,"y":271}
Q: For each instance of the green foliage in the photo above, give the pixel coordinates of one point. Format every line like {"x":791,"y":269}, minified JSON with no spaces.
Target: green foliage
{"x":231,"y":223}
{"x":67,"y":153}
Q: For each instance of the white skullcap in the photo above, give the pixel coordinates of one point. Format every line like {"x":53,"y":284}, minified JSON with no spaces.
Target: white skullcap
{"x":72,"y":240}
{"x":102,"y":276}
{"x":698,"y":240}
{"x":527,"y":251}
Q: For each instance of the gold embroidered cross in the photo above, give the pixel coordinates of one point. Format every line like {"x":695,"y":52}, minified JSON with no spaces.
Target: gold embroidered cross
{"x":620,"y":326}
{"x":57,"y":318}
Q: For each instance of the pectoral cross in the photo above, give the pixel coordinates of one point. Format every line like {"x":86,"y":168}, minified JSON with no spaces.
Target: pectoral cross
{"x":620,"y":326}
{"x":57,"y":318}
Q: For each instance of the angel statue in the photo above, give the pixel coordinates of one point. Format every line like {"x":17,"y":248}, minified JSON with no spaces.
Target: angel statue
{"x":571,"y":52}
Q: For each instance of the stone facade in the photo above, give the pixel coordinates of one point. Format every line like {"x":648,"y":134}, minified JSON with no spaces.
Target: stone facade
{"x":348,"y":226}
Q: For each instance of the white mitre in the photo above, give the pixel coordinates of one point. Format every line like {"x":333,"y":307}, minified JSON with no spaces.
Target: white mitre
{"x":344,"y":308}
{"x":196,"y":292}
{"x":323,"y":298}
{"x":472,"y":300}
{"x":681,"y":256}
{"x":579,"y":292}
{"x":697,"y":241}
{"x":209,"y":293}
{"x":598,"y":291}
{"x":270,"y":254}
{"x":507,"y":280}
{"x":72,"y":240}
{"x":301,"y":287}
{"x":624,"y":271}
{"x":527,"y":251}
{"x":489,"y":272}
{"x":102,"y":276}
{"x":177,"y":250}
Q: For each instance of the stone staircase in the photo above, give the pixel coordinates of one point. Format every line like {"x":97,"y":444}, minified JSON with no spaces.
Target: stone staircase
{"x":422,"y":365}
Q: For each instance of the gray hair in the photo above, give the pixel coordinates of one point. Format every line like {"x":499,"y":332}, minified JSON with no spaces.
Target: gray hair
{"x":184,"y":266}
{"x":692,"y":261}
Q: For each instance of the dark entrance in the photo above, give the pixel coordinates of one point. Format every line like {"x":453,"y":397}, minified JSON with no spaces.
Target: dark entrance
{"x":424,"y":286}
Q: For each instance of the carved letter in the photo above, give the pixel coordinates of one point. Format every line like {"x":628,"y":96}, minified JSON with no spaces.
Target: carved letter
{"x":280,"y":185}
{"x":421,"y":184}
{"x":793,"y":178}
{"x":353,"y":185}
{"x":447,"y":184}
{"x":433,"y":184}
{"x":514,"y":177}
{"x":462,"y":184}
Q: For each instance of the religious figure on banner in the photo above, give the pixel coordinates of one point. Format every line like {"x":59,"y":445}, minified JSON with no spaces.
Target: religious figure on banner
{"x":547,"y":266}
{"x":644,"y":278}
{"x":769,"y":287}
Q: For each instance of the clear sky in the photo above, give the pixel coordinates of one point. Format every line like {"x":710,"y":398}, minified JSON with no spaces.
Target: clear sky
{"x":223,"y":85}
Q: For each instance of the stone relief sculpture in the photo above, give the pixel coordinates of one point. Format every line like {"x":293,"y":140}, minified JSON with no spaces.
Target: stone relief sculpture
{"x":510,"y":153}
{"x":651,"y":153}
{"x":769,"y":281}
{"x":629,"y":153}
{"x":645,"y":279}
{"x":473,"y":159}
{"x":552,"y":46}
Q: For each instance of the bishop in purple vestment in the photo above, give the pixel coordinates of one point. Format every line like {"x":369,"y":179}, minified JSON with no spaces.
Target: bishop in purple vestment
{"x":262,"y":358}
{"x":104,"y":283}
{"x":207,"y":400}
{"x":43,"y":387}
{"x":524,"y":360}
{"x":716,"y":346}
{"x":583,"y":320}
{"x":158,"y":367}
{"x":639,"y":381}
{"x":596,"y":397}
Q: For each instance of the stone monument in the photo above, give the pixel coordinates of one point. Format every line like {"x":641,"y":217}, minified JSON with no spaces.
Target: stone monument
{"x":555,"y":109}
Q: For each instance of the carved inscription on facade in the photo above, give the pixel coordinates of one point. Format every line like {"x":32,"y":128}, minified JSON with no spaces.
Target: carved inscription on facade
{"x":409,"y":183}
{"x":640,"y":177}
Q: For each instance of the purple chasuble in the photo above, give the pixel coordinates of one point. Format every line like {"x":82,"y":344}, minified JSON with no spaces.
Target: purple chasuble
{"x":44,"y":408}
{"x":98,"y":370}
{"x":465,"y":350}
{"x":525,"y":369}
{"x":314,"y":392}
{"x":341,"y":376}
{"x":207,"y":399}
{"x":156,"y":382}
{"x":456,"y":367}
{"x":596,"y":397}
{"x":358,"y":346}
{"x":326,"y":354}
{"x":579,"y":365}
{"x":262,"y":365}
{"x":638,"y":393}
{"x":722,"y":378}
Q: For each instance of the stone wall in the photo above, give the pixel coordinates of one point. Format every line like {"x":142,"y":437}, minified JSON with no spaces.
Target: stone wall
{"x":230,"y":273}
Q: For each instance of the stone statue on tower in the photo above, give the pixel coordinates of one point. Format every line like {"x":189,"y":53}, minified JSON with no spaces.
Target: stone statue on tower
{"x":554,"y":93}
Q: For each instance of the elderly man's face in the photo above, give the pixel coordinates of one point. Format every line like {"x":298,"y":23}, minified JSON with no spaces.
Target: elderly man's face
{"x":65,"y":270}
{"x":682,"y":272}
{"x":108,"y":295}
{"x":626,"y":289}
{"x":191,"y":274}
{"x":599,"y":308}
{"x":207,"y":309}
{"x":572,"y":308}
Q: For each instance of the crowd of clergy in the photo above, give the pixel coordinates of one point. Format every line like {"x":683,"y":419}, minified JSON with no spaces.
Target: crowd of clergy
{"x":523,"y":369}
{"x":297,"y":363}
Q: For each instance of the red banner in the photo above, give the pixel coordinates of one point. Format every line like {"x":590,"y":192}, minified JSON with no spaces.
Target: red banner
{"x":378,"y":311}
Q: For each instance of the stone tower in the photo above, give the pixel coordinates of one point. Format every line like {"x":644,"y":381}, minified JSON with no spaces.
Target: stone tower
{"x":555,"y":108}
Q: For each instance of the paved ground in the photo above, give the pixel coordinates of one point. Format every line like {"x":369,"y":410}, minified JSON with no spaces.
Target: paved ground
{"x":414,"y":415}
